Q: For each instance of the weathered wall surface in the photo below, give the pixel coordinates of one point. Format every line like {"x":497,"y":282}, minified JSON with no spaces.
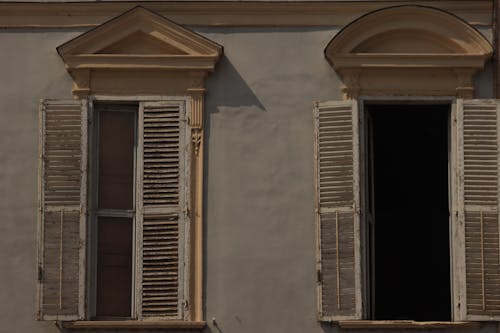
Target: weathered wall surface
{"x":30,"y":70}
{"x":259,"y":215}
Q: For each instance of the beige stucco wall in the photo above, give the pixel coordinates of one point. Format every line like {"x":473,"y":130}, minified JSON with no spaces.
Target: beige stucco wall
{"x":259,"y":217}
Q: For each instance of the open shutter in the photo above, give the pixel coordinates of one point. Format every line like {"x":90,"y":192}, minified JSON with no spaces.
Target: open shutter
{"x":62,"y":209}
{"x":163,"y":194}
{"x":337,"y":210}
{"x":478,"y":155}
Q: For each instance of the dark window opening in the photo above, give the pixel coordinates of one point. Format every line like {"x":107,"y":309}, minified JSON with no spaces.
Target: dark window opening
{"x":409,"y":212}
{"x":114,"y":267}
{"x":116,"y":145}
{"x":116,"y":160}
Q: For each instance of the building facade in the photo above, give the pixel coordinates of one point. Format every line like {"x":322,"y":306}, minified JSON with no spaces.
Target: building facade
{"x":250,"y":166}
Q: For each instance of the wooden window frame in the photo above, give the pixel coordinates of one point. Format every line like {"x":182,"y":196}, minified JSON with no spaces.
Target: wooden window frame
{"x":461,"y":316}
{"x":184,"y":235}
{"x":95,"y":212}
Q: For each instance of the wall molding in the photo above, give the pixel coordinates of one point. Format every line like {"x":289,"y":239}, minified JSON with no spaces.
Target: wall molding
{"x":88,"y":14}
{"x":408,"y":50}
{"x":139,"y":52}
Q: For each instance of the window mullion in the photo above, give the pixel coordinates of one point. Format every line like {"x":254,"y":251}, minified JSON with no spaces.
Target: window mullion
{"x":139,"y":209}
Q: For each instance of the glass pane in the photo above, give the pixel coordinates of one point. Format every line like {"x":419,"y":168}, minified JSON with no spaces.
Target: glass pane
{"x":114,"y":267}
{"x":116,"y":160}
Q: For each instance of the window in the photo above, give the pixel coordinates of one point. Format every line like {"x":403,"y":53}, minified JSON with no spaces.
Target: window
{"x":139,"y":209}
{"x":121,"y":178}
{"x":365,"y":217}
{"x":138,"y":222}
{"x":114,"y":212}
{"x":458,"y":162}
{"x":408,"y":176}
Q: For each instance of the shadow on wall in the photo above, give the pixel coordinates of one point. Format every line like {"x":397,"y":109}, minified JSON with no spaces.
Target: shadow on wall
{"x":227,"y":91}
{"x":226,"y":88}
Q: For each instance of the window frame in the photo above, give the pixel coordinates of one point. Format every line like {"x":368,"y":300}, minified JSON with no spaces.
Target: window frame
{"x":95,"y":212}
{"x":462,"y":312}
{"x":184,"y":236}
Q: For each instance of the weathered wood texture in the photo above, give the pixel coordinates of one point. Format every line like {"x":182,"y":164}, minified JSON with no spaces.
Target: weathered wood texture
{"x":61,"y":204}
{"x":61,"y":154}
{"x":480,"y":203}
{"x":160,"y":273}
{"x":336,"y":186}
{"x":163,"y":211}
{"x":161,"y":155}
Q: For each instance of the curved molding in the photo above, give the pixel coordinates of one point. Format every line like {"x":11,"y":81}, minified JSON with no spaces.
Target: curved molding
{"x":139,"y":52}
{"x":397,"y":50}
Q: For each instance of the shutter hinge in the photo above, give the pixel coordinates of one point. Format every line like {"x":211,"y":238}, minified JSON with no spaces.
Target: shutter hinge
{"x":40,"y":273}
{"x":319,"y":276}
{"x":185,"y":304}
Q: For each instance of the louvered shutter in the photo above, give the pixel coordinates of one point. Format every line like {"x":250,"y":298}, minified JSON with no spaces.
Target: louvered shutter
{"x":337,"y":210}
{"x":163,"y":208}
{"x":62,"y":210}
{"x":478,"y":155}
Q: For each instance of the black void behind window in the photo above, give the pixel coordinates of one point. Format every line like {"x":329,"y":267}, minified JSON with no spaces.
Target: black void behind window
{"x":116,"y":138}
{"x":410,"y":233}
{"x":114,"y":267}
{"x":116,"y":158}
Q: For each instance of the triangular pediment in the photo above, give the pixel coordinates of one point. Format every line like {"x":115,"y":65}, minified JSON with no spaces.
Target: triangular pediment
{"x":140,"y":42}
{"x":139,"y":52}
{"x":140,"y":37}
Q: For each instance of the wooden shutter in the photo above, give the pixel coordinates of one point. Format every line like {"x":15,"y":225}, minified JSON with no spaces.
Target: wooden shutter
{"x":163,"y":208}
{"x":62,"y":209}
{"x":478,"y":241}
{"x":337,"y":210}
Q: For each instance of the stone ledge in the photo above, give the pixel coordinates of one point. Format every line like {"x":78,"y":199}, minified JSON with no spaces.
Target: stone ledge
{"x":133,"y":324}
{"x":405,"y":324}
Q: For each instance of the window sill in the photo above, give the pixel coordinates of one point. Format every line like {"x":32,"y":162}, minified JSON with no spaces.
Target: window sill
{"x":134,"y":324}
{"x":404,"y":324}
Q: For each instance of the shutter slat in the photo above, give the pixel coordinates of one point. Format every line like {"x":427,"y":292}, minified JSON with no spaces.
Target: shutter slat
{"x":158,"y":269}
{"x":336,"y":202}
{"x":480,"y":202}
{"x":61,"y":203}
{"x":157,"y":147}
{"x":163,"y":190}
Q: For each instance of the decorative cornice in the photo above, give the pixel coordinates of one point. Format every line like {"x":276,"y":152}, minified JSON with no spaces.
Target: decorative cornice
{"x":138,"y":52}
{"x":223,"y":13}
{"x":93,"y":61}
{"x":406,"y":50}
{"x":411,"y":60}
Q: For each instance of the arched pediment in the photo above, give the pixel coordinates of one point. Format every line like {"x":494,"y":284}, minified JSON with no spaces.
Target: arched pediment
{"x":408,"y":41}
{"x":139,"y":52}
